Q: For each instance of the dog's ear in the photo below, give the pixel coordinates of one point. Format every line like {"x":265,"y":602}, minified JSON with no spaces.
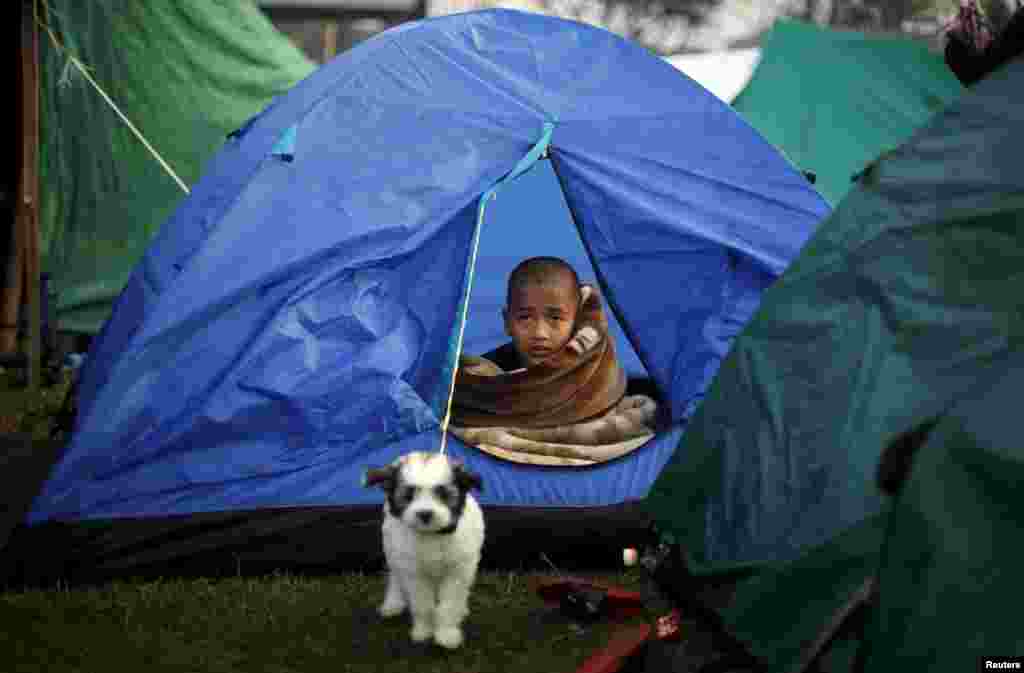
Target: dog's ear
{"x":381,"y":476}
{"x":465,"y":478}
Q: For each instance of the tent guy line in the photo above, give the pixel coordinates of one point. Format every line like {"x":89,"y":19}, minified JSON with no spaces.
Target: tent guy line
{"x":74,"y":60}
{"x":538,"y":151}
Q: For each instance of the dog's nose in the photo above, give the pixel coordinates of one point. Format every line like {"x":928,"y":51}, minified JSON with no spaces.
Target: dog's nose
{"x":424,"y":515}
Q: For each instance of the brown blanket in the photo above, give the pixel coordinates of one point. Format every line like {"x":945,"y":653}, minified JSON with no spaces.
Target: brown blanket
{"x":621,"y":430}
{"x":582,"y":381}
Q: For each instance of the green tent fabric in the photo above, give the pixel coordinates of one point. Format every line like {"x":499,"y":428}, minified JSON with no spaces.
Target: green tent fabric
{"x":185,"y":73}
{"x":834,"y":100}
{"x":893,"y":310}
{"x":950,"y":582}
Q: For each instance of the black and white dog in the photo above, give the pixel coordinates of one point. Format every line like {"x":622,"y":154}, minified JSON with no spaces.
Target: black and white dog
{"x":433,"y":532}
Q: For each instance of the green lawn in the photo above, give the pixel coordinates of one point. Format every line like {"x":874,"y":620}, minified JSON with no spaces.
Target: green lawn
{"x":32,"y":414}
{"x":281,"y":624}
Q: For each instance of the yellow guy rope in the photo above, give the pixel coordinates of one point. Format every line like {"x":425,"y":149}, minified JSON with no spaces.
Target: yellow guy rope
{"x":465,"y":313}
{"x":85,"y":72}
{"x":540,"y":149}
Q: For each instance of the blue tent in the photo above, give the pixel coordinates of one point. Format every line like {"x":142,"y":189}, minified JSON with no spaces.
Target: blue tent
{"x":295,"y":320}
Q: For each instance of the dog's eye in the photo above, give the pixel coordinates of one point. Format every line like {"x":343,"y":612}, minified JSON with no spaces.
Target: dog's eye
{"x":443,"y":493}
{"x":406,"y":494}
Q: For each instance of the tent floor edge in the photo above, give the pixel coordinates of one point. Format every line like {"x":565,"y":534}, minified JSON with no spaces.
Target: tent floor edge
{"x":299,"y":540}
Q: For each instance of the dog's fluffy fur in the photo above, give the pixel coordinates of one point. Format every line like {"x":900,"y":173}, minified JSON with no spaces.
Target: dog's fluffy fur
{"x":433,"y":532}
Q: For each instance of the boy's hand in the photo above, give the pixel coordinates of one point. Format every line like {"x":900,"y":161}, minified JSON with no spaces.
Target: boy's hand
{"x":478,"y":366}
{"x":583,"y":340}
{"x":586,"y":337}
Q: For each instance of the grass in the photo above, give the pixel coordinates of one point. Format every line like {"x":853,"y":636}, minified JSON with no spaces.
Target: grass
{"x":31,"y":414}
{"x":283,"y":624}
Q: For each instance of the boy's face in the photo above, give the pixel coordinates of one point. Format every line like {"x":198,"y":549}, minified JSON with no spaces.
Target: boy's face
{"x":540,"y":316}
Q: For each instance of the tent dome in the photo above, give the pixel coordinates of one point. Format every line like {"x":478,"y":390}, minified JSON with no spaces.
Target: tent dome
{"x":294,"y":321}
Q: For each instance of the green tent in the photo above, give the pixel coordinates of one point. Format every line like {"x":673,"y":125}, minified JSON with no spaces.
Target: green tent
{"x":185,"y":74}
{"x":833,"y":100}
{"x":904,"y":299}
{"x":949,"y":577}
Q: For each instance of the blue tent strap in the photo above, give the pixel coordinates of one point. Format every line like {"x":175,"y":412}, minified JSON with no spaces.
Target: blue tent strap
{"x":538,"y":150}
{"x":285,"y":147}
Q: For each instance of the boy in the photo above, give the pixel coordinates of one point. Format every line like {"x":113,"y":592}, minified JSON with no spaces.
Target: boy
{"x":542,"y":307}
{"x":556,"y":389}
{"x":560,"y":366}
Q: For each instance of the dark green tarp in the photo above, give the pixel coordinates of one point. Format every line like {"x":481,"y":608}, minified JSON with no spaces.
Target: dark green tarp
{"x":834,"y":100}
{"x":894,"y":309}
{"x":185,"y":74}
{"x":950,"y":583}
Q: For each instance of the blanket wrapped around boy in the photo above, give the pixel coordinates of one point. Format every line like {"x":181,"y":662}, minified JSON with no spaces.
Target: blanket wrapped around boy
{"x":569,"y":409}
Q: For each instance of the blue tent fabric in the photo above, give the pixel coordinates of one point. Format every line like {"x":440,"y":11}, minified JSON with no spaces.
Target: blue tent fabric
{"x":291,"y":323}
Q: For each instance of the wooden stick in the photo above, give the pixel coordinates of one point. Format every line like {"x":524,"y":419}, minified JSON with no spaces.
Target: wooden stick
{"x":10,"y":291}
{"x":329,"y":43}
{"x":27,"y":220}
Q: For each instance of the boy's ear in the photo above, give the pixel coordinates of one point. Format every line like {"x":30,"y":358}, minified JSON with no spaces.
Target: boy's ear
{"x":504,"y":320}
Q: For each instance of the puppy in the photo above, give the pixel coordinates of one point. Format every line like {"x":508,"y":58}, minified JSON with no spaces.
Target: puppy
{"x":433,"y":532}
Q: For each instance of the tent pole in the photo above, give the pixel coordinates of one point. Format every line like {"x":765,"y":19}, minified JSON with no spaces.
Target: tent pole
{"x":27,"y":217}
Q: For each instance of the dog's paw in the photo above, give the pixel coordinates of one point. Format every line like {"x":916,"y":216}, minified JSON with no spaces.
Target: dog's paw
{"x":450,"y":637}
{"x":420,"y":633}
{"x":391,"y":609}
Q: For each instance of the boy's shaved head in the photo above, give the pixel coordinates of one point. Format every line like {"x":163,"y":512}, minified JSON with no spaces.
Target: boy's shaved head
{"x":542,"y":271}
{"x":542,"y":303}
